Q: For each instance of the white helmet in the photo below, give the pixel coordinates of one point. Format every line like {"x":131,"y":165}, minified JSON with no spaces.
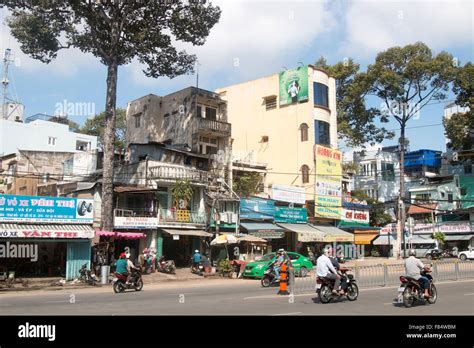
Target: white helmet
{"x":412,"y":252}
{"x":196,"y":251}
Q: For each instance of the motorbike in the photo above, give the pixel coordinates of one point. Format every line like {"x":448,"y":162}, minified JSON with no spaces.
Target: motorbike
{"x":166,"y":266}
{"x":270,"y":279}
{"x":435,"y":255}
{"x":199,"y":269}
{"x":120,"y":281}
{"x":324,"y":287}
{"x":410,"y":290}
{"x":87,"y":276}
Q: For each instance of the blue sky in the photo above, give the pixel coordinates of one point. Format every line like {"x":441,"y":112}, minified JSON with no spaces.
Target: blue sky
{"x":259,"y":38}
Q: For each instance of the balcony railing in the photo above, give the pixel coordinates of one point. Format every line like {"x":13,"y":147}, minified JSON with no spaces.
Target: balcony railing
{"x":181,"y":216}
{"x":222,"y":128}
{"x":181,"y":173}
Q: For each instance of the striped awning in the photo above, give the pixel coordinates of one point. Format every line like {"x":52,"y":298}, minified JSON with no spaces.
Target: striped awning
{"x":198,"y":233}
{"x":60,"y":231}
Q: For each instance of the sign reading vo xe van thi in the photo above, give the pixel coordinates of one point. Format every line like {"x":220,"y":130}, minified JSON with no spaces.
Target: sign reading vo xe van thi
{"x":40,"y":209}
{"x":328,"y":185}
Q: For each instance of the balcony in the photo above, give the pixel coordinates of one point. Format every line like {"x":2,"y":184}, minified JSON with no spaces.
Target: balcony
{"x":178,"y":216}
{"x":174,"y":173}
{"x":141,"y":218}
{"x":214,"y":128}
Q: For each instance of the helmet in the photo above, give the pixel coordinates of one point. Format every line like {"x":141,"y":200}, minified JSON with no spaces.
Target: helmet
{"x":281,"y":251}
{"x":412,"y":252}
{"x":196,"y":251}
{"x":122,"y":255}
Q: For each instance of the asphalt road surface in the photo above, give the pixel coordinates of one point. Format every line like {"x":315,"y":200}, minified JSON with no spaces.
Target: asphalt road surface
{"x":228,"y":297}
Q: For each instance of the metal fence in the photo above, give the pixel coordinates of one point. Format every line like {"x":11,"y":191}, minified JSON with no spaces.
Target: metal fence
{"x":388,"y":275}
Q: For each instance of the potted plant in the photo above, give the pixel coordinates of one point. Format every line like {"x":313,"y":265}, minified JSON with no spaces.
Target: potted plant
{"x":224,"y":268}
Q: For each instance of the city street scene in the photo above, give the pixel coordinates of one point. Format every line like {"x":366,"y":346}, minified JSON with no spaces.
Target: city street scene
{"x":230,"y":158}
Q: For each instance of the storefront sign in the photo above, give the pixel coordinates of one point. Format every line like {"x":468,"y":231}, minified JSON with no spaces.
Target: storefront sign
{"x":40,"y":209}
{"x":294,"y":86}
{"x":175,"y":236}
{"x":328,"y":186}
{"x":44,"y":233}
{"x":445,"y":227}
{"x":291,"y":194}
{"x":256,"y":208}
{"x":291,"y":215}
{"x":135,"y":222}
{"x":352,"y":215}
{"x":268,"y":234}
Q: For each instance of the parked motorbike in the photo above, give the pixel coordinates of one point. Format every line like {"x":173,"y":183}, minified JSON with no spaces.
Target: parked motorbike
{"x":87,"y":276}
{"x":434,"y":255}
{"x":120,"y":281}
{"x":270,"y":279}
{"x":324,"y":287}
{"x":410,"y":290}
{"x":166,"y":266}
{"x":199,"y":269}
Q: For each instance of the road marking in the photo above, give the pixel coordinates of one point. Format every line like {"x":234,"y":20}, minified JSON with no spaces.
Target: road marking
{"x":294,"y":313}
{"x":469,"y":294}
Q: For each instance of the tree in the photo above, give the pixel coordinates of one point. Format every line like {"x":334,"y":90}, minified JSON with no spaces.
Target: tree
{"x":96,"y":126}
{"x":378,"y":216}
{"x":116,"y":32}
{"x":406,"y":79}
{"x":439,"y":237}
{"x":355,"y":122}
{"x":181,"y":190}
{"x":460,"y":126}
{"x":247,"y":184}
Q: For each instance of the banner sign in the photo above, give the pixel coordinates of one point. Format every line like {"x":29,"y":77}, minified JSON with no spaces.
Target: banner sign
{"x":351,"y":215}
{"x":291,"y":194}
{"x":40,"y":209}
{"x":328,"y":185}
{"x":293,"y":86}
{"x":257,"y":208}
{"x":291,"y":215}
{"x":445,"y":227}
{"x":135,"y":222}
{"x":45,"y":232}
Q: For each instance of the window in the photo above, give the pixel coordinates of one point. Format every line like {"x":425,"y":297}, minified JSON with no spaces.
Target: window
{"x":320,"y":94}
{"x":82,"y":145}
{"x":137,"y":120}
{"x":293,"y":257}
{"x":321,"y":132}
{"x":208,"y":146}
{"x":211,"y":113}
{"x":443,"y":194}
{"x":270,"y":103}
{"x":52,"y":141}
{"x":305,"y":174}
{"x":388,"y":171}
{"x":304,"y":132}
{"x":450,"y":197}
{"x":199,"y":111}
{"x":68,"y":166}
{"x":467,"y":169}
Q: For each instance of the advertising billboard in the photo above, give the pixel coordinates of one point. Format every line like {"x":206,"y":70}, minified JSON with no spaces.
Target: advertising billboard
{"x":291,"y":194}
{"x":39,"y":209}
{"x":131,"y":222}
{"x":354,"y":215}
{"x":291,"y":215}
{"x":328,"y":182}
{"x":256,"y":208}
{"x":293,"y":86}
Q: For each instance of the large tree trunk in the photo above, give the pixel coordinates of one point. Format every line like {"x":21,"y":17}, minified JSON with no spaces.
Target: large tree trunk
{"x":401,"y":196}
{"x":109,"y":139}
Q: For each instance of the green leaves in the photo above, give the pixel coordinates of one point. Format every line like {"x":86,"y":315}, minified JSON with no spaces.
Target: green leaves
{"x":181,"y":190}
{"x":247,"y":184}
{"x":96,"y":126}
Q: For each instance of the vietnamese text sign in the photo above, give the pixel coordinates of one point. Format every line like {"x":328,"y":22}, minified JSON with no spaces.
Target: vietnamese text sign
{"x":257,"y":208}
{"x":328,"y":182}
{"x":359,"y":216}
{"x":41,"y":232}
{"x":290,"y":215}
{"x":135,"y":222}
{"x":291,"y":194}
{"x":40,"y":209}
{"x":293,"y":86}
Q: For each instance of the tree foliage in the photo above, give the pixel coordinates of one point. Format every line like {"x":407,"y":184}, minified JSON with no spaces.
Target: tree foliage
{"x":181,"y":190}
{"x":459,"y":127}
{"x":247,"y":184}
{"x":96,"y":126}
{"x":355,"y":121}
{"x":378,"y":216}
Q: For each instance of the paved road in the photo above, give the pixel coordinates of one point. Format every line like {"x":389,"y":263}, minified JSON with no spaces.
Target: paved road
{"x":228,"y":297}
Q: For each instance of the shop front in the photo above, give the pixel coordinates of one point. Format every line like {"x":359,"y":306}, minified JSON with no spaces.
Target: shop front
{"x":383,"y":245}
{"x":274,"y":234}
{"x":179,"y":244}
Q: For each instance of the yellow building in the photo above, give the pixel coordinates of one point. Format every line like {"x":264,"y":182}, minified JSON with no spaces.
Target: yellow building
{"x":277,"y":120}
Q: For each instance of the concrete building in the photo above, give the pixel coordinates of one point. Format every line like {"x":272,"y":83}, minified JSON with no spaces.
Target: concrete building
{"x":42,"y":135}
{"x":277,"y":120}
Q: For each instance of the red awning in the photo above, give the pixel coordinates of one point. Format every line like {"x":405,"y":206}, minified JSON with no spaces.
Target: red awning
{"x":125,"y":235}
{"x":421,"y":209}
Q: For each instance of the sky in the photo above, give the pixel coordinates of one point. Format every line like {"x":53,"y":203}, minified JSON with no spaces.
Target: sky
{"x":255,"y":39}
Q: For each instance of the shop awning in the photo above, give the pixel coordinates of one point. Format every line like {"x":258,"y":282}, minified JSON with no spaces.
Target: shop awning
{"x":124,"y":235}
{"x":198,"y":233}
{"x":457,"y":238}
{"x":383,"y":240}
{"x":251,"y":239}
{"x":334,"y":234}
{"x":420,"y":239}
{"x":263,"y":230}
{"x":306,"y":233}
{"x":11,"y":230}
{"x":364,"y":238}
{"x":354,"y":225}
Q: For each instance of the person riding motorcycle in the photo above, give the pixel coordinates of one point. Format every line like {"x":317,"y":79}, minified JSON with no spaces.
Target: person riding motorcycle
{"x":196,"y":259}
{"x":278,"y":262}
{"x":326,"y":269}
{"x":122,"y":265}
{"x":336,"y":262}
{"x":414,"y":268}
{"x":130,"y":266}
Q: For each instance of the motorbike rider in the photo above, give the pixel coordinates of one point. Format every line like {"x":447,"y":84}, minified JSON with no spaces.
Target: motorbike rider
{"x":122,"y":265}
{"x":413,"y":269}
{"x":130,"y":266}
{"x":336,"y":262}
{"x":196,"y":259}
{"x":278,"y":262}
{"x":326,"y":269}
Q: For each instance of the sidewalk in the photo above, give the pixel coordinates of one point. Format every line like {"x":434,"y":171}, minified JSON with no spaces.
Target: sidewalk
{"x":28,"y":284}
{"x":372,"y":261}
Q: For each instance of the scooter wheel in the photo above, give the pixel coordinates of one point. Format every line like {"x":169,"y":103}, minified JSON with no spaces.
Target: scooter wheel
{"x":118,"y":287}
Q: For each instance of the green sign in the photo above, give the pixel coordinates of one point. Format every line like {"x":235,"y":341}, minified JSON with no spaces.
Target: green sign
{"x":294,"y":86}
{"x":290,"y":215}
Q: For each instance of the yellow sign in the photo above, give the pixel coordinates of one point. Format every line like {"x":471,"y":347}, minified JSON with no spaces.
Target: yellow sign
{"x":328,"y":183}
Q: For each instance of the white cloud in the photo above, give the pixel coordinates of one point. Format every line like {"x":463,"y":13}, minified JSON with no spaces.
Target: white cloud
{"x":373,"y":26}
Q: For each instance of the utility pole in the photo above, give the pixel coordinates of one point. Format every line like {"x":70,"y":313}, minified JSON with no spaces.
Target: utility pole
{"x":7,"y":60}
